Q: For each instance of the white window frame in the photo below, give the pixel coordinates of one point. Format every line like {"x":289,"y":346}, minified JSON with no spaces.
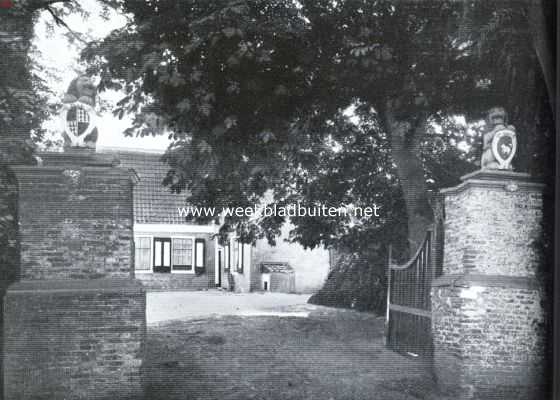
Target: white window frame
{"x":172,"y":237}
{"x":193,"y":255}
{"x":151,"y":259}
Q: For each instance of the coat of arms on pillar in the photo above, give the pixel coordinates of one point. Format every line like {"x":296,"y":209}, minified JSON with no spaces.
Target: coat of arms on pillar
{"x":499,"y":143}
{"x":78,"y":116}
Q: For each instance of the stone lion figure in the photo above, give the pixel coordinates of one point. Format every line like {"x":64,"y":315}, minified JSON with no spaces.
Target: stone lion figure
{"x":79,"y":114}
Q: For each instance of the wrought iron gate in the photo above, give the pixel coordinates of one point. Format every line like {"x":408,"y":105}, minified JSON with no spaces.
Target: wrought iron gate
{"x":409,"y":315}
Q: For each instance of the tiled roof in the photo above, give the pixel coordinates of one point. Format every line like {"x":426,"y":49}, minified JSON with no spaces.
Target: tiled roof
{"x":269,"y":267}
{"x":153,"y":202}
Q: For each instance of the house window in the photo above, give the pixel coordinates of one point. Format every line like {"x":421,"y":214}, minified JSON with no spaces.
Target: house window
{"x":182,"y":254}
{"x":162,"y":255}
{"x":199,"y":253}
{"x":142,"y":254}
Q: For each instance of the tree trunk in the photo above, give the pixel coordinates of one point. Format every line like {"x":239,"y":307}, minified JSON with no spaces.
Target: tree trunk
{"x":543,"y":43}
{"x":405,"y":145}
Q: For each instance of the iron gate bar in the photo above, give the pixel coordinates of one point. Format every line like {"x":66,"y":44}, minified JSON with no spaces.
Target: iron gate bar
{"x":408,"y":314}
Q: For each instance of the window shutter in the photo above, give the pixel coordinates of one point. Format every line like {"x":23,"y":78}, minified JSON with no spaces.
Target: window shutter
{"x":241,"y":258}
{"x":199,"y":256}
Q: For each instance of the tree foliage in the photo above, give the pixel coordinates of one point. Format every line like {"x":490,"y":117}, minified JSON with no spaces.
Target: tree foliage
{"x":256,"y":96}
{"x":255,"y":93}
{"x":25,"y":103}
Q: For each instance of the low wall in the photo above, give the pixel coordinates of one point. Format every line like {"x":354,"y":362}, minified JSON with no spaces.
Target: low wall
{"x":74,"y":339}
{"x":159,"y":281}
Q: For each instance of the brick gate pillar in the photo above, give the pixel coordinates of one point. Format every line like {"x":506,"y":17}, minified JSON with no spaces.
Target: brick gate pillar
{"x":487,"y":317}
{"x":74,"y":323}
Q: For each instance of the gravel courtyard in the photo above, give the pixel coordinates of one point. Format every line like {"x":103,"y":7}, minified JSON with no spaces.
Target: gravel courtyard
{"x":214,"y":345}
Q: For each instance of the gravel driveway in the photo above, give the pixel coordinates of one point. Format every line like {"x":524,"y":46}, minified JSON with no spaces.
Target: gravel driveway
{"x":224,"y":346}
{"x":167,"y":306}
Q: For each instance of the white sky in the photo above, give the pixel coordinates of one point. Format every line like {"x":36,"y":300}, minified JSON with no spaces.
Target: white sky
{"x":61,"y":59}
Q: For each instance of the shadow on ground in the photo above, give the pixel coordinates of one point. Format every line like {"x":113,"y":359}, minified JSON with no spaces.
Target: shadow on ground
{"x":331,"y":354}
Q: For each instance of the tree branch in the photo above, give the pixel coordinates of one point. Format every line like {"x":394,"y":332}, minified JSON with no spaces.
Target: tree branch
{"x":34,"y":5}
{"x":59,"y":21}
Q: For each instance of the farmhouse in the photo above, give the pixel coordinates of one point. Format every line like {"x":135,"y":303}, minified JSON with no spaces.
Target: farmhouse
{"x":172,"y":253}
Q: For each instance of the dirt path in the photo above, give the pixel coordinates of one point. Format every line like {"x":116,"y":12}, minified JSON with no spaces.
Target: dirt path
{"x":167,"y":306}
{"x":329,"y":354}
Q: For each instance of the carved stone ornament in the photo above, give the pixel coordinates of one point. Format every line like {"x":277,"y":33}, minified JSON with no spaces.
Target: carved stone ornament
{"x":78,"y":117}
{"x":504,"y":146}
{"x":499,"y":143}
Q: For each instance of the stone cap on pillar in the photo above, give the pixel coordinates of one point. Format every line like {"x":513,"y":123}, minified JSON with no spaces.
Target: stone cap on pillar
{"x":120,"y":285}
{"x":495,"y":178}
{"x":78,"y":157}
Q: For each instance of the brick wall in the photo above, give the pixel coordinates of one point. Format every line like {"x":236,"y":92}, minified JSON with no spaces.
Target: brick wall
{"x":489,"y":229}
{"x":487,"y":318}
{"x":74,"y":223}
{"x":488,"y":338}
{"x":158,"y":281}
{"x":74,"y":326}
{"x":74,"y":339}
{"x":9,"y":254}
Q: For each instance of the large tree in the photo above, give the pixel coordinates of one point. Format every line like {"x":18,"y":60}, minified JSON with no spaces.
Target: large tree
{"x":254,"y":92}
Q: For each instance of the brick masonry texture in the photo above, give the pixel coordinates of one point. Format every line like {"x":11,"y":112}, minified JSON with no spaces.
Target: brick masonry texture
{"x":487,"y":338}
{"x":75,"y":223}
{"x":157,"y":281}
{"x":491,"y":230}
{"x":74,"y":340}
{"x":74,"y":325}
{"x":487,"y":317}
